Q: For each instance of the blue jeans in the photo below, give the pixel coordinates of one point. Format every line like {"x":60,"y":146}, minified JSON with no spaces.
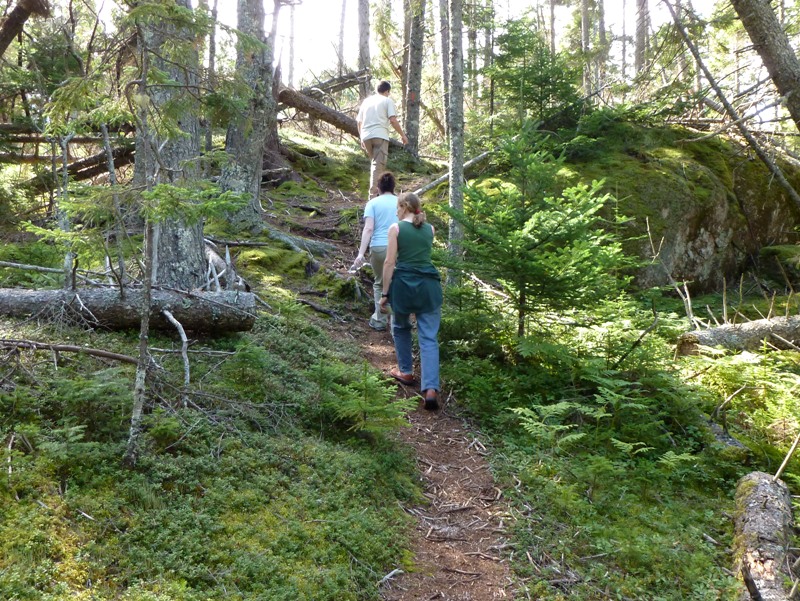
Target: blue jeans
{"x":427,"y":334}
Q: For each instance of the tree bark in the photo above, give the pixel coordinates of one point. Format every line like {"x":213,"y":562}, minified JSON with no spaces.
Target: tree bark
{"x":247,"y":130}
{"x":273,"y":159}
{"x":414,"y":78}
{"x":585,"y":43}
{"x":763,"y":521}
{"x":340,"y":49}
{"x":781,"y":332}
{"x":472,"y":50}
{"x":179,"y":259}
{"x":212,"y":312}
{"x":455,"y":118}
{"x":642,"y":20}
{"x":365,"y":86}
{"x":15,"y":20}
{"x":444,"y":31}
{"x":775,"y":50}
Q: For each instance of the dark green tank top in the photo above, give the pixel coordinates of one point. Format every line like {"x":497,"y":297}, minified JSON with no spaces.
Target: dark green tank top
{"x":414,"y":244}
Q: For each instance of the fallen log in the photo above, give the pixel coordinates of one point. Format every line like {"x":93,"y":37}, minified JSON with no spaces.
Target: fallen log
{"x":82,"y":169}
{"x":210,"y":312}
{"x":762,"y":523}
{"x":446,"y":176}
{"x":316,"y":109}
{"x":333,"y":85}
{"x":780,"y":332}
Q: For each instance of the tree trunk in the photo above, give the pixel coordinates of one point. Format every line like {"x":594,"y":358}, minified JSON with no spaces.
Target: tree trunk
{"x":214,"y":312}
{"x":273,"y":159}
{"x":642,"y":21}
{"x":363,"y":48}
{"x":340,"y":49}
{"x":15,"y":20}
{"x":781,"y":332}
{"x":290,"y":78}
{"x":775,"y":50}
{"x":763,"y":524}
{"x":456,"y":127}
{"x":624,"y":67}
{"x":407,"y":16}
{"x":602,"y":56}
{"x":488,"y":43}
{"x":247,"y":130}
{"x":414,"y":79}
{"x":585,"y":43}
{"x":472,"y":51}
{"x":444,"y":29}
{"x":211,"y":78}
{"x":179,"y":258}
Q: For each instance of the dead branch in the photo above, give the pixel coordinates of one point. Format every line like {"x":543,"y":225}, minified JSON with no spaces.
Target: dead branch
{"x":446,"y":176}
{"x":66,"y":348}
{"x":184,"y":354}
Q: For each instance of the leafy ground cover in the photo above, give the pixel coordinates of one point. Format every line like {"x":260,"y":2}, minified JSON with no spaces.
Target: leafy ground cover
{"x":280,"y":479}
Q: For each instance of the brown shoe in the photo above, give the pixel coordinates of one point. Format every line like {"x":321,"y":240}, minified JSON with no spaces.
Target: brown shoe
{"x":431,"y":400}
{"x":407,"y":379}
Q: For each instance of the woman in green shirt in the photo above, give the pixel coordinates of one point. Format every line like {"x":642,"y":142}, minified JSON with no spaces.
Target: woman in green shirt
{"x":411,"y":284}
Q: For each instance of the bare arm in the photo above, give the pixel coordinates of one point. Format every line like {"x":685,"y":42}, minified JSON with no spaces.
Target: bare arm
{"x":396,"y":125}
{"x":391,"y":260}
{"x":366,"y":236}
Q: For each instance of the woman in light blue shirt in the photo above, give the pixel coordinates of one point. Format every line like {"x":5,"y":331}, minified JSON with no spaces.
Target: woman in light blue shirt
{"x":379,"y":214}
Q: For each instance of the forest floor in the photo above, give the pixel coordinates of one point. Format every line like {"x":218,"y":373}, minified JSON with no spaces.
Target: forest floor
{"x":459,"y":541}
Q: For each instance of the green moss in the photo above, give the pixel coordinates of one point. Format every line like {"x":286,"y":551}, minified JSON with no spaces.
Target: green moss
{"x":254,"y":262}
{"x":334,"y":285}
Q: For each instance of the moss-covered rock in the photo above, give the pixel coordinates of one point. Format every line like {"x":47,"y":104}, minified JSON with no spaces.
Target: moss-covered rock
{"x":706,"y":206}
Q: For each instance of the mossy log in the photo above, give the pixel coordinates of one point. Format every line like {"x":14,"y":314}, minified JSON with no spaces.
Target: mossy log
{"x":780,"y":332}
{"x":211,"y":312}
{"x":762,"y":524}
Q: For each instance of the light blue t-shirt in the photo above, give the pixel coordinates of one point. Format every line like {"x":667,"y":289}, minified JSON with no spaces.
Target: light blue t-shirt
{"x":383,"y":209}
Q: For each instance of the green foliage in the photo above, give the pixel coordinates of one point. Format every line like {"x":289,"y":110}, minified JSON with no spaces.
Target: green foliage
{"x":545,"y":246}
{"x":610,"y":453}
{"x":192,"y":204}
{"x":365,"y":403}
{"x":241,"y":491}
{"x":37,"y":253}
{"x":530,"y":82}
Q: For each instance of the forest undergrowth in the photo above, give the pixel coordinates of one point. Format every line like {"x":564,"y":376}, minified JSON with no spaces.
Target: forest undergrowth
{"x":278,"y":477}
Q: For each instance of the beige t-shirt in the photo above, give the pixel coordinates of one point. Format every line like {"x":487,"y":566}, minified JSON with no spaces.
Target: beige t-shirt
{"x":374,"y":116}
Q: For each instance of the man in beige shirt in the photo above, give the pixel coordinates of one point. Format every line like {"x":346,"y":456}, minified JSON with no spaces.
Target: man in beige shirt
{"x":375,"y":116}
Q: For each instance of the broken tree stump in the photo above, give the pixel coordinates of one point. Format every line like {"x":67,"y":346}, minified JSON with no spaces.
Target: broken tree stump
{"x":211,"y":312}
{"x":762,"y":522}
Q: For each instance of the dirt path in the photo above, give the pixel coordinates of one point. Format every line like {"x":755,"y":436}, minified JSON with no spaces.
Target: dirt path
{"x":459,"y":548}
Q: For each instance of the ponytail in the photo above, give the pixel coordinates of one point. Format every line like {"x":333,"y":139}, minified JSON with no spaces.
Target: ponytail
{"x":414,"y":205}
